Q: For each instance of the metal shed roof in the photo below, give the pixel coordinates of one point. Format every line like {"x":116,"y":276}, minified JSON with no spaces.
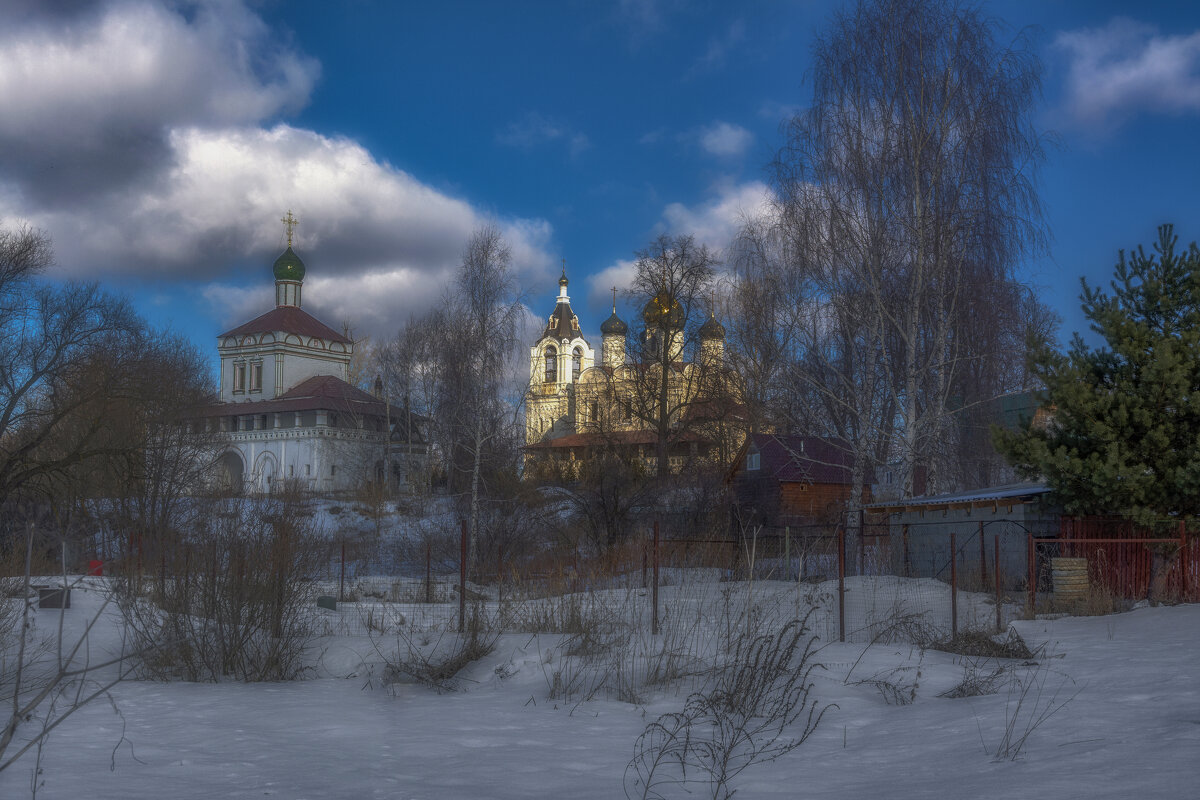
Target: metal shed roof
{"x":1011,"y":492}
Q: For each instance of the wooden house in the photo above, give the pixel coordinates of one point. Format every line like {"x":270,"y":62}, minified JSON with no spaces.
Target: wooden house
{"x":800,"y":481}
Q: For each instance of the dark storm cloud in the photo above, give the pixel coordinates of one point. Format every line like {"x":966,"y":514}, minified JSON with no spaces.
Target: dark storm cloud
{"x":90,"y":93}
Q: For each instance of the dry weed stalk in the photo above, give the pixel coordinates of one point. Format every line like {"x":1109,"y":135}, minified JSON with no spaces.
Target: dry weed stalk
{"x":746,"y":716}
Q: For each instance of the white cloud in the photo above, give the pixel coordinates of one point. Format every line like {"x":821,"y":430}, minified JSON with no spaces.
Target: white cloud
{"x":619,"y":274}
{"x":724,"y":139}
{"x":715,"y":221}
{"x":374,"y":302}
{"x":1127,"y":66}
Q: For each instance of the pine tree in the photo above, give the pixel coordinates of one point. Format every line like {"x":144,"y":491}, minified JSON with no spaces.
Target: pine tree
{"x":1124,"y":433}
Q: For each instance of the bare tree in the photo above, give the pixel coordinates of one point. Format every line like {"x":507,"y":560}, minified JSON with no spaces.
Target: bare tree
{"x":54,"y":387}
{"x":482,"y":317}
{"x":906,"y":198}
{"x":672,"y":388}
{"x":762,"y":323}
{"x":408,"y":369}
{"x":159,"y":455}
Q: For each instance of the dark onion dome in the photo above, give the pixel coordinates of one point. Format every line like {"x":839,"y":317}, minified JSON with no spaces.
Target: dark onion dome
{"x":712,"y":330}
{"x":289,"y":267}
{"x":663,"y":312}
{"x":613,"y":326}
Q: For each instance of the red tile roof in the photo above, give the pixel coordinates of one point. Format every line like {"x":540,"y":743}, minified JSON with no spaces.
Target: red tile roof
{"x":323,"y":392}
{"x":289,"y":319}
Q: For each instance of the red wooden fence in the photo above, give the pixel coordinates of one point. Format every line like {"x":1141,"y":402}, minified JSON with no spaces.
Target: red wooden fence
{"x":1120,"y":556}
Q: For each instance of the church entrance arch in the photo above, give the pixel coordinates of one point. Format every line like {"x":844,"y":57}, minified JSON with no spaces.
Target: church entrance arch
{"x":266,"y":472}
{"x":231,"y":471}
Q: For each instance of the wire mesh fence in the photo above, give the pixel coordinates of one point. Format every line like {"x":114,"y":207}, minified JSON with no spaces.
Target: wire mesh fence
{"x":876,"y":581}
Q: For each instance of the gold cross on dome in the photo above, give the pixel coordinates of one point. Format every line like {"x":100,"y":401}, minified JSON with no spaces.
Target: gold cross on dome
{"x":289,"y":222}
{"x":614,"y":299}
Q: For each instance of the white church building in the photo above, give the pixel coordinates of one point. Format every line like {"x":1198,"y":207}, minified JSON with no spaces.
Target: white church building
{"x":286,"y":412}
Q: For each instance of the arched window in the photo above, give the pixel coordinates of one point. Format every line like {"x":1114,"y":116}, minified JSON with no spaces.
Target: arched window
{"x":595,"y":411}
{"x":576,"y":363}
{"x":551,"y":365}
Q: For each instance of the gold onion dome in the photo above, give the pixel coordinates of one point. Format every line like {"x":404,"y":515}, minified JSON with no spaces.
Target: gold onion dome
{"x":663,"y":312}
{"x":289,"y":267}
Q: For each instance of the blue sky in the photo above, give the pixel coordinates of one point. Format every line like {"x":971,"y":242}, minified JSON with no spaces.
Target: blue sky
{"x":160,"y":142}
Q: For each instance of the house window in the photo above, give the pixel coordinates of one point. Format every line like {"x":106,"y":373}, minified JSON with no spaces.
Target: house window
{"x":308,"y":470}
{"x":256,"y":377}
{"x":332,"y":470}
{"x":551,"y":358}
{"x":291,"y":470}
{"x":576,"y":363}
{"x":239,"y":377}
{"x":752,"y":461}
{"x":332,"y":420}
{"x":595,"y":411}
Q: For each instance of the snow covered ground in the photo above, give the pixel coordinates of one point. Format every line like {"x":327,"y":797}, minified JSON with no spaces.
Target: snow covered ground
{"x":1125,"y":688}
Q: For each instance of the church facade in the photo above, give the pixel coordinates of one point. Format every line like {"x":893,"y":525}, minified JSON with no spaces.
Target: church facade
{"x":286,"y":413}
{"x":578,"y":405}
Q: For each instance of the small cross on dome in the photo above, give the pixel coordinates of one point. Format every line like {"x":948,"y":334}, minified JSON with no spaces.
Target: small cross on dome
{"x":289,"y":223}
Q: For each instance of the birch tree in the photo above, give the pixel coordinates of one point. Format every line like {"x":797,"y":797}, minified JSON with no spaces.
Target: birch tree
{"x":479,"y":328}
{"x":907,"y":198}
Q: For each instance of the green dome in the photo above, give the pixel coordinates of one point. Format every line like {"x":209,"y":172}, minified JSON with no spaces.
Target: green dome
{"x":289,"y":267}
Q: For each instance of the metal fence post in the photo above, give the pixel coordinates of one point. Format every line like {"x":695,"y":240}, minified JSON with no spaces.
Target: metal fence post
{"x":654,"y":591}
{"x":999,"y":601}
{"x":342,"y":574}
{"x":787,"y":552}
{"x":1031,"y":559}
{"x":842,"y":583}
{"x":1183,"y":563}
{"x":645,"y":558}
{"x":953,"y":588}
{"x":428,"y":572}
{"x":982,"y":558}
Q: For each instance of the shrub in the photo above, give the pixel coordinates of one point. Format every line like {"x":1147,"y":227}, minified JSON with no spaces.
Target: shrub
{"x":233,"y":600}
